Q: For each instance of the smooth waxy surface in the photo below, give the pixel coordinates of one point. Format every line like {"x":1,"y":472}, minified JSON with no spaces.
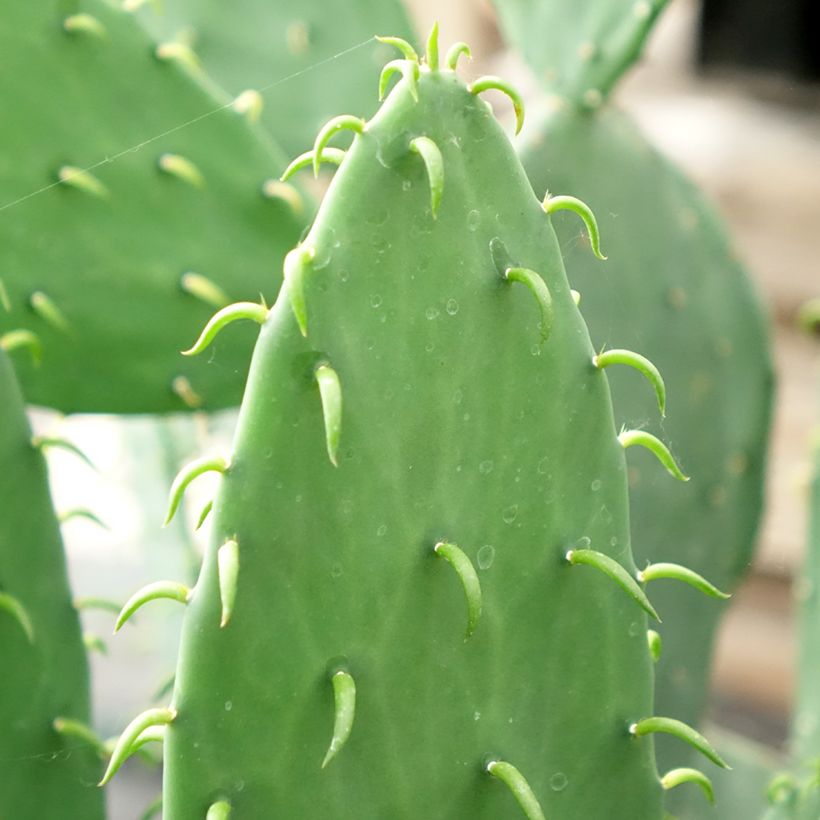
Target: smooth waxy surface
{"x":459,"y":424}
{"x":287,"y":48}
{"x":672,"y":290}
{"x":111,"y":259}
{"x":42,"y":775}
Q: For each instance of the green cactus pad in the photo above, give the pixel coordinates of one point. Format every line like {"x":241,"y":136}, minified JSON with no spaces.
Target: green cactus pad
{"x":579,"y":49}
{"x":100,"y":267}
{"x":458,"y":423}
{"x":45,"y":673}
{"x":673,"y":290}
{"x":288,"y":50}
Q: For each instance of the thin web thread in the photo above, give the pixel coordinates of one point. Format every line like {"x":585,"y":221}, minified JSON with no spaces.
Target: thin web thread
{"x":204,"y":116}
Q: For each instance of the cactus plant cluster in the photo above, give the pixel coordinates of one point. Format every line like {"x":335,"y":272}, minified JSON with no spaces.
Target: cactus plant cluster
{"x":422,"y":594}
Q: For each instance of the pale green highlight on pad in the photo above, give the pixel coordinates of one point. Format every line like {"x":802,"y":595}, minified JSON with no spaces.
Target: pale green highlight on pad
{"x":17,"y":339}
{"x":496,"y":83}
{"x":655,"y":643}
{"x":182,"y":168}
{"x":681,"y":731}
{"x":124,"y":747}
{"x":517,"y":784}
{"x":206,"y":464}
{"x":610,"y":567}
{"x":12,"y":607}
{"x":629,"y":438}
{"x":679,"y":573}
{"x":158,"y":590}
{"x":83,"y":181}
{"x":239,"y":310}
{"x":344,"y":122}
{"x":551,"y":204}
{"x":227,"y":562}
{"x":204,"y":289}
{"x":330,"y":390}
{"x":344,"y":698}
{"x":641,"y":364}
{"x":331,"y":155}
{"x":675,"y":777}
{"x":468,"y":576}
{"x":431,"y":155}
{"x":538,"y":288}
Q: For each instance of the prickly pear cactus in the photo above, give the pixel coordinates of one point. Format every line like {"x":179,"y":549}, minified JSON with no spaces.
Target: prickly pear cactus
{"x":426,"y":440}
{"x":161,"y":212}
{"x":308,"y":58}
{"x":45,"y":673}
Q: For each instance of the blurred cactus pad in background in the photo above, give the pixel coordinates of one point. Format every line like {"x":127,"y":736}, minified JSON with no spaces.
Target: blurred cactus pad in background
{"x":503,"y":391}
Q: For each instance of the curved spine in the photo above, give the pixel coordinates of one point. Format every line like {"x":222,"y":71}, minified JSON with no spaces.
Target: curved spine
{"x":186,"y":475}
{"x":44,"y":307}
{"x":402,"y":45}
{"x":238,"y":310}
{"x":681,"y":731}
{"x":329,"y":154}
{"x":83,"y":181}
{"x":517,"y":784}
{"x":82,"y":512}
{"x":409,"y":70}
{"x":655,"y":643}
{"x":178,"y":52}
{"x":295,"y":268}
{"x":344,"y":697}
{"x":43,"y":443}
{"x":182,"y":168}
{"x":610,"y":567}
{"x":539,"y":290}
{"x":432,"y":48}
{"x":454,"y":52}
{"x":284,"y":192}
{"x":12,"y":606}
{"x":204,"y":289}
{"x":433,"y":162}
{"x":551,"y":204}
{"x":496,"y":83}
{"x":641,"y":364}
{"x":629,"y":438}
{"x":465,"y":570}
{"x":85,"y":24}
{"x":90,"y":602}
{"x":341,"y":123}
{"x":171,"y":590}
{"x":16,"y":339}
{"x":153,"y":734}
{"x":206,"y":511}
{"x":330,"y":389}
{"x":679,"y":573}
{"x":675,"y":777}
{"x":124,"y":747}
{"x":221,"y":810}
{"x":94,"y":643}
{"x":77,"y":730}
{"x":249,"y":103}
{"x":227,"y":562}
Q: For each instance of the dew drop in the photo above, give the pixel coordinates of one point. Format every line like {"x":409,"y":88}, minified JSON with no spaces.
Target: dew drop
{"x":558,"y":782}
{"x":582,"y":543}
{"x":473,"y":220}
{"x":382,"y":530}
{"x":406,"y":185}
{"x":544,"y":465}
{"x":596,"y":485}
{"x":476,"y":715}
{"x":486,"y":556}
{"x":634,"y":628}
{"x":486,"y":467}
{"x":510,"y":513}
{"x":431,"y":313}
{"x":370,"y":343}
{"x":228,"y":705}
{"x":452,"y":307}
{"x":458,"y":397}
{"x":429,"y":347}
{"x":336,"y":571}
{"x":375,"y":300}
{"x":239,"y":785}
{"x":344,"y":275}
{"x":535,"y":350}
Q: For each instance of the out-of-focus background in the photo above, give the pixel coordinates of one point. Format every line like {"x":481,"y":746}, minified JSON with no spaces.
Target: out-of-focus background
{"x":728,"y":89}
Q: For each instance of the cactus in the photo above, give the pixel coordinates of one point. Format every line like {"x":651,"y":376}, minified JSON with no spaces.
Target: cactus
{"x":45,"y":674}
{"x":426,"y":442}
{"x":284,"y":49}
{"x":159,"y":213}
{"x":673,"y":289}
